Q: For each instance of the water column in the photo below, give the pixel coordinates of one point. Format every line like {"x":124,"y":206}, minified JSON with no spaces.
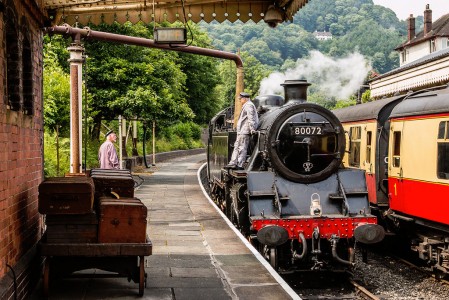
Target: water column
{"x":76,"y":51}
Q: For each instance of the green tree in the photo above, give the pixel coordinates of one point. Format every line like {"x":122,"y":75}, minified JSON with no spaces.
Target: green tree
{"x":366,"y":96}
{"x":260,"y":50}
{"x":56,"y":90}
{"x":254,"y":72}
{"x":201,"y":78}
{"x":226,"y":90}
{"x":378,"y":45}
{"x":115,"y":72}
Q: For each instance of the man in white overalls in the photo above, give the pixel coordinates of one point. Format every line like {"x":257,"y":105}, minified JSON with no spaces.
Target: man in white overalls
{"x":246,"y":126}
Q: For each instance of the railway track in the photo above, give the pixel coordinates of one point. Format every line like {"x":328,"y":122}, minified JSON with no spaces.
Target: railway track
{"x":362,"y":292}
{"x":330,"y":285}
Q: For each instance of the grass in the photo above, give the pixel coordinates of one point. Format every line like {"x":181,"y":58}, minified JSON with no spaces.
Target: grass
{"x":176,"y":137}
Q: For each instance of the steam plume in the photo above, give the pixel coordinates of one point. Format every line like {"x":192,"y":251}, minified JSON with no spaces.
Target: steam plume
{"x":338,"y":78}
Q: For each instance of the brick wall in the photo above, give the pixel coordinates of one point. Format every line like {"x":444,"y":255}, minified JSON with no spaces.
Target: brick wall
{"x":21,"y":157}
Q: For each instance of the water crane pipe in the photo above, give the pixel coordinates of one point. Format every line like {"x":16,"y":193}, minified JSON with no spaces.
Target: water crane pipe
{"x":87,"y":33}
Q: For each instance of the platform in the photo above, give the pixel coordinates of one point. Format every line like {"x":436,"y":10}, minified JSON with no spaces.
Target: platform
{"x":195,"y":254}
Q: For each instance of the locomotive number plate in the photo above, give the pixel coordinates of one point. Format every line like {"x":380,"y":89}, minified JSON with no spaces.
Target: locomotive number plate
{"x":307,"y":130}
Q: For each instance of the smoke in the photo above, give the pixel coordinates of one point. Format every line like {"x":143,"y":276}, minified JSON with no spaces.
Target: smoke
{"x":339,"y":78}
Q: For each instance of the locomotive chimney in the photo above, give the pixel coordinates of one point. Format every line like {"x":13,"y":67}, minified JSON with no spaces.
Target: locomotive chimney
{"x":427,"y":20}
{"x":411,"y":27}
{"x":295,"y":90}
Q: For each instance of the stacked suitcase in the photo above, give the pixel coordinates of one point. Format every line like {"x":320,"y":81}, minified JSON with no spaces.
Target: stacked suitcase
{"x":99,"y":208}
{"x":112,"y":183}
{"x":68,"y":203}
{"x":122,"y":220}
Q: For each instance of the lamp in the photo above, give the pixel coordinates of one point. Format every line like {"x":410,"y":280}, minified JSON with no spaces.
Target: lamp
{"x":273,"y":16}
{"x":170,"y":35}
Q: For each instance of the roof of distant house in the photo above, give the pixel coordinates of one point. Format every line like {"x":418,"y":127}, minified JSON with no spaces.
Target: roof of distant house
{"x":322,"y":33}
{"x":439,"y":28}
{"x":423,"y":60}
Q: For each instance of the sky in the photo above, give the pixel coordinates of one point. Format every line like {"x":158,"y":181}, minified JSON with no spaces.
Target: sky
{"x":403,"y":8}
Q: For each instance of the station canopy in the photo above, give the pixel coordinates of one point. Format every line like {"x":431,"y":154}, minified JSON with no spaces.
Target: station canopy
{"x":121,"y":11}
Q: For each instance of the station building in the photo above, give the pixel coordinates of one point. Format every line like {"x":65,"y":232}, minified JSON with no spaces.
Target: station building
{"x":424,"y":59}
{"x":21,"y":143}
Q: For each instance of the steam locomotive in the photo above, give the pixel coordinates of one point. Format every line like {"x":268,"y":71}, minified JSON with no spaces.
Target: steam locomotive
{"x":402,"y":143}
{"x":294,"y":201}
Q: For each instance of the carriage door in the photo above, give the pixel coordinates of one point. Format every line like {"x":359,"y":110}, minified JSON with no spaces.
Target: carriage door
{"x":395,"y":172}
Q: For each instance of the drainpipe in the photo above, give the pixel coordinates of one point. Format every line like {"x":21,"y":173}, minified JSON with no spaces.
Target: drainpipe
{"x":120,"y":153}
{"x":239,"y":87}
{"x":76,"y":50}
{"x":137,"y":41}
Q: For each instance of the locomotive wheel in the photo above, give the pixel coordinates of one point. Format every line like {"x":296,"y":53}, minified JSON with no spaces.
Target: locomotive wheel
{"x":46,"y":278}
{"x":141,"y":275}
{"x":228,"y":203}
{"x":274,"y":258}
{"x":239,"y":207}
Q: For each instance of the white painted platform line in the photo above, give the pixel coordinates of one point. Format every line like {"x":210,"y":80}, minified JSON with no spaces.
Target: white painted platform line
{"x":256,"y":253}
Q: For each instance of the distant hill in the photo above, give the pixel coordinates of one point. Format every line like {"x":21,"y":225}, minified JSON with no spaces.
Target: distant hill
{"x":356,"y":25}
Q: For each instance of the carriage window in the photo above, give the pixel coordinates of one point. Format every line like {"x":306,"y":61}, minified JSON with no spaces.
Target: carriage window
{"x":443,"y":151}
{"x":443,"y":161}
{"x":354,"y":156}
{"x":396,"y":149}
{"x":443,"y":130}
{"x":368,"y":146}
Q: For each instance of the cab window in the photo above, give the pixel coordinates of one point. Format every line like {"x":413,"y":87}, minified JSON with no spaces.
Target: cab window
{"x":369,"y":135}
{"x":443,"y":150}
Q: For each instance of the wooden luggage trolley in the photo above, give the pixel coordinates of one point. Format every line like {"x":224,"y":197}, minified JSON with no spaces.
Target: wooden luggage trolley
{"x":93,"y":222}
{"x":124,"y":259}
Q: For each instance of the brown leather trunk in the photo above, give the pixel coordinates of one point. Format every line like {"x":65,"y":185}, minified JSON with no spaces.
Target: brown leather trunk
{"x":72,"y":228}
{"x":72,"y":233}
{"x":113,"y":182}
{"x":66,"y":195}
{"x":122,"y":221}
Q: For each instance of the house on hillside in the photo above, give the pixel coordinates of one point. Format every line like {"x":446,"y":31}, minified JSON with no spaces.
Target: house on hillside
{"x":424,"y":59}
{"x":322,"y":35}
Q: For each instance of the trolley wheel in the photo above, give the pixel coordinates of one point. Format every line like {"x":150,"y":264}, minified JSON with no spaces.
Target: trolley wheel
{"x":46,"y":278}
{"x":142,"y":275}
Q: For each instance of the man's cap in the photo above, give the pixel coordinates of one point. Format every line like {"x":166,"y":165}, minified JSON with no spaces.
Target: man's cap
{"x":108,"y":133}
{"x":244,"y":95}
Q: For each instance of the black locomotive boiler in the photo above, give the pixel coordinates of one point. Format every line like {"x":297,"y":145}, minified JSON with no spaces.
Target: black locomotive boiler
{"x":294,"y":200}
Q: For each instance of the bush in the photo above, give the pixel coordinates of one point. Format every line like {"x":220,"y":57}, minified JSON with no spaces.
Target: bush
{"x":51,"y":168}
{"x":189,"y":133}
{"x":180,"y":136}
